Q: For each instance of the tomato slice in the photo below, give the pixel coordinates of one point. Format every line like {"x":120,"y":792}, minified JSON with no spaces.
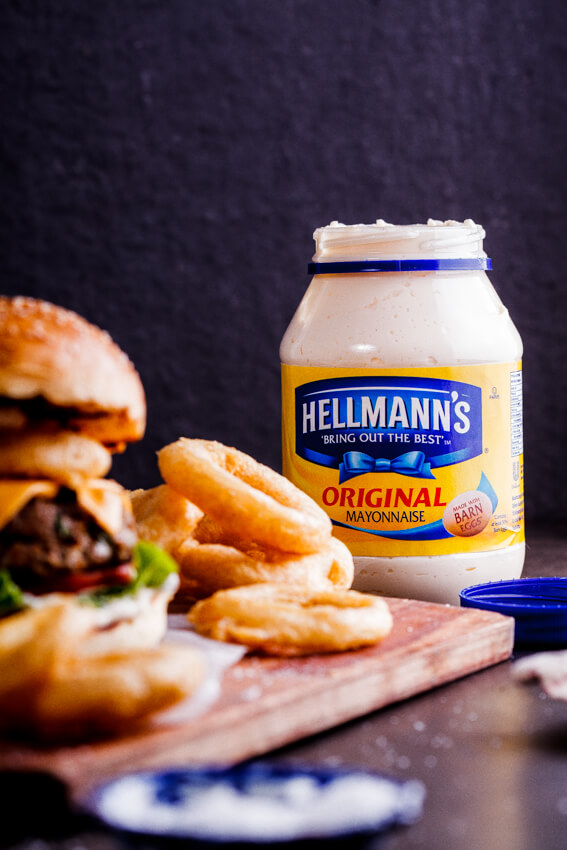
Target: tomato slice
{"x":121,"y":575}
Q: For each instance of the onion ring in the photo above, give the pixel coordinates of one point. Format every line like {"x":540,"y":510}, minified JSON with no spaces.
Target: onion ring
{"x":110,"y":694}
{"x":56,"y":681}
{"x":63,"y":456}
{"x":163,"y":516}
{"x":207,"y":567}
{"x":245,"y":497}
{"x":286,"y":621}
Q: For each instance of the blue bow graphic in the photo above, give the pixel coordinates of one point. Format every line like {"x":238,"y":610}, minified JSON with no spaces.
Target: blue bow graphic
{"x":358,"y":463}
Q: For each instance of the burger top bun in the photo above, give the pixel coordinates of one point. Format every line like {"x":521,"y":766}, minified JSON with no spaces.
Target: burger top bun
{"x":54,"y":355}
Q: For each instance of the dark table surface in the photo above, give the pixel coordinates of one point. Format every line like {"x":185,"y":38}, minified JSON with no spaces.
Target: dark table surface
{"x":491,"y":752}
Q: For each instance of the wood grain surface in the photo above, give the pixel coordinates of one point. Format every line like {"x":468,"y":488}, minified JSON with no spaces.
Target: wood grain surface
{"x":266,"y":702}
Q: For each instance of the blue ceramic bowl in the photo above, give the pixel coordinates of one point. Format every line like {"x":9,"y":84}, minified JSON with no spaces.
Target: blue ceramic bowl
{"x":256,"y":802}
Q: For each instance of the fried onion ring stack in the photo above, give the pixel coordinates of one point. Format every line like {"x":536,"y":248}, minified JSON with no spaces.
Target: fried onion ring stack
{"x":229,"y":521}
{"x":258,"y":561}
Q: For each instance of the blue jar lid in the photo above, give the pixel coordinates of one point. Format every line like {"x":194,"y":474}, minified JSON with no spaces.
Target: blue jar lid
{"x":538,"y":606}
{"x":354,"y":267}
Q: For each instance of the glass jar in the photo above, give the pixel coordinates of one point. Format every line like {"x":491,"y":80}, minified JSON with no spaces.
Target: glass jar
{"x":402,"y":407}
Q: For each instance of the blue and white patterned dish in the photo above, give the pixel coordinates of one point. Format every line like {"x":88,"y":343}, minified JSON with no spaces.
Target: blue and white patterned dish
{"x":256,"y":802}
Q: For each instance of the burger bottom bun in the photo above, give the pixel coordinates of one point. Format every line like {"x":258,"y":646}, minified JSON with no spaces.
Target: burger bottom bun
{"x":61,"y":456}
{"x":137,"y":621}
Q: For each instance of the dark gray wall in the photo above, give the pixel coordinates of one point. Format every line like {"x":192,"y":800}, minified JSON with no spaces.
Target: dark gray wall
{"x":165,"y":162}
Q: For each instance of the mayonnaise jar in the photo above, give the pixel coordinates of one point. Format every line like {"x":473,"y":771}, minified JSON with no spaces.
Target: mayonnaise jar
{"x":402,"y":407}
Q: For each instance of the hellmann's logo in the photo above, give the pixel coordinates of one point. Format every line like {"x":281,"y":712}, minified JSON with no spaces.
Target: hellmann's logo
{"x":388,"y":424}
{"x":387,"y":412}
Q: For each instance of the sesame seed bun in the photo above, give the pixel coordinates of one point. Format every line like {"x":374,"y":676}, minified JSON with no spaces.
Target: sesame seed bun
{"x":51,"y":354}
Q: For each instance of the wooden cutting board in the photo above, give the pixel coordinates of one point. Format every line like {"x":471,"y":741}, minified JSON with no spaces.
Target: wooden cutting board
{"x":266,"y":703}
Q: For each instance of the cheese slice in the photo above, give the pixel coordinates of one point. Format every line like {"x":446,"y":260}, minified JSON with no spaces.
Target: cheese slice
{"x":14,"y":495}
{"x":105,"y":500}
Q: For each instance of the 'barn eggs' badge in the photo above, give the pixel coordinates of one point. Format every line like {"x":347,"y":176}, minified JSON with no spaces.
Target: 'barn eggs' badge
{"x":468,"y":514}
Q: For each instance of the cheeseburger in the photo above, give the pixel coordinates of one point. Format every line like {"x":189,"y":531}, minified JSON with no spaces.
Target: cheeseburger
{"x":69,"y":399}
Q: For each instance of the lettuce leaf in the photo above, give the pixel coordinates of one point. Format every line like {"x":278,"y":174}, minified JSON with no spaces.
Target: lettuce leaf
{"x":11,"y":597}
{"x":153,"y":566}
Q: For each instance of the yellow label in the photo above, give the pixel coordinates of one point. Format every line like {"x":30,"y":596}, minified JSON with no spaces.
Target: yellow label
{"x":409,"y":461}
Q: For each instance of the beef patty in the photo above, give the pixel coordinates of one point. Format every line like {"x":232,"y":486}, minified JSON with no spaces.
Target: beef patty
{"x":51,"y":536}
